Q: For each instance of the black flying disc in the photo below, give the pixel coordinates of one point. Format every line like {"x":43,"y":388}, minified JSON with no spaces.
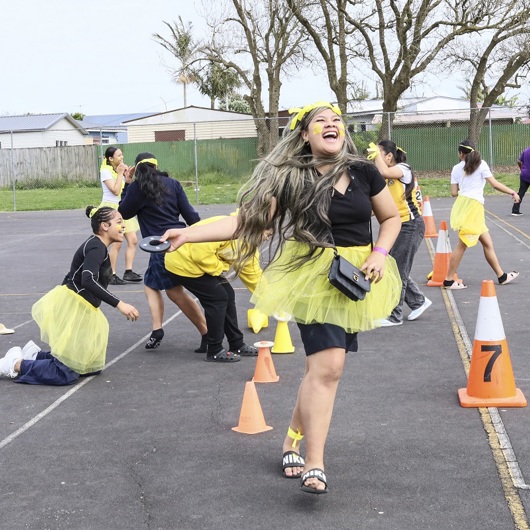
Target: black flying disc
{"x":153,"y":244}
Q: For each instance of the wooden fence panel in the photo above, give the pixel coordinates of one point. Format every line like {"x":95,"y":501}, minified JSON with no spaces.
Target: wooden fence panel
{"x":79,"y":162}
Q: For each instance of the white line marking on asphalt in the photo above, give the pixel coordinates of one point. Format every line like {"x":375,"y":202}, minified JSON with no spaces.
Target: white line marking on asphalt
{"x":73,"y":390}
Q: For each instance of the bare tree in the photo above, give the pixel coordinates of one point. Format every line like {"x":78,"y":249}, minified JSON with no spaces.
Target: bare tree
{"x":495,"y":61}
{"x":262,"y":41}
{"x":325,"y":23}
{"x":183,"y":47}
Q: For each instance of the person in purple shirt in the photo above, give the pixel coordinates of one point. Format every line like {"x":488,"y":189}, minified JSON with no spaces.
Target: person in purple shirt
{"x":158,"y":201}
{"x":524,"y":179}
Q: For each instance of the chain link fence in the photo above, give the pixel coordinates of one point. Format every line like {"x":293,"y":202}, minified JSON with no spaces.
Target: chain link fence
{"x":58,"y":167}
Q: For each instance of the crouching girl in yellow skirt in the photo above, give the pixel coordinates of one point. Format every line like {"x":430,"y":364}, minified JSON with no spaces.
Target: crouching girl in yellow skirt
{"x":69,"y":317}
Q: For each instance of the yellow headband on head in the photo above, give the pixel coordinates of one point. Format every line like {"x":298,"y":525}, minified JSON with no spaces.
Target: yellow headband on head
{"x":300,"y":113}
{"x":153,"y":161}
{"x":467,"y":147}
{"x":401,"y":149}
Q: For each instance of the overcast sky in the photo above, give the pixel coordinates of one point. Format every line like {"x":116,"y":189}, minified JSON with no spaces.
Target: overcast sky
{"x":99,"y":57}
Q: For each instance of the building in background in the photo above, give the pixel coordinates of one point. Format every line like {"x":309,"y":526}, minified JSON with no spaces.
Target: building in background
{"x":190,"y":123}
{"x":41,"y":130}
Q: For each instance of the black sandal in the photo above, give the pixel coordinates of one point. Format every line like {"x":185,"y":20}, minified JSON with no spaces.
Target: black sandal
{"x":223,"y":356}
{"x":247,"y":351}
{"x":319,"y":475}
{"x":292,"y":459}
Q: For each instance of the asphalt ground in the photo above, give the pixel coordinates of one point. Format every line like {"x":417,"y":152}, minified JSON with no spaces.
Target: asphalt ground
{"x":148,"y":443}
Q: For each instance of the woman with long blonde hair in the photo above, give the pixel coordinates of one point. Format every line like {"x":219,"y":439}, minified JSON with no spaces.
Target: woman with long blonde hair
{"x":314,"y":195}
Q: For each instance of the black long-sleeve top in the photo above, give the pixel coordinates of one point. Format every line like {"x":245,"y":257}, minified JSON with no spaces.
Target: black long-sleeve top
{"x":90,"y":273}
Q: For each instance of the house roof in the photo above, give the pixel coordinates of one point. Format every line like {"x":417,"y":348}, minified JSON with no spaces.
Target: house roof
{"x":110,"y":121}
{"x":35,"y":122}
{"x":184,"y":110}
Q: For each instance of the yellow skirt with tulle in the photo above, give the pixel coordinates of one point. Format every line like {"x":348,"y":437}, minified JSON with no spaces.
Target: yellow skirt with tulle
{"x":76,"y":331}
{"x":468,"y":219}
{"x":308,"y":297}
{"x":131,"y":225}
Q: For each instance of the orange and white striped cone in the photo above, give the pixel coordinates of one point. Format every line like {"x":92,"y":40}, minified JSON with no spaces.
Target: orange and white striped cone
{"x":490,"y":381}
{"x":441,"y":258}
{"x":430,"y":226}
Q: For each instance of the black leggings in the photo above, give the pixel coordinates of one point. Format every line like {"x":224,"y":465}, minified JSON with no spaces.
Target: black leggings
{"x":218,"y":299}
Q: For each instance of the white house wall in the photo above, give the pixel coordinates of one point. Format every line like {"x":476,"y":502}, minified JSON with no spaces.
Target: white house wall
{"x":61,"y":131}
{"x":202,"y":130}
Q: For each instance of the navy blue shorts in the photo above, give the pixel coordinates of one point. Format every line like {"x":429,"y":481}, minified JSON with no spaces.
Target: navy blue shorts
{"x":318,"y":337}
{"x":157,"y":276}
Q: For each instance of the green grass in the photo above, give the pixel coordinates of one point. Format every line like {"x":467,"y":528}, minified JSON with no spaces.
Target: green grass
{"x":220,"y":190}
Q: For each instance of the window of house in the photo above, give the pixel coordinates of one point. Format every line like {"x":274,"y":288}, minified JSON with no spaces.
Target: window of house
{"x":170,"y":136}
{"x":61,"y":143}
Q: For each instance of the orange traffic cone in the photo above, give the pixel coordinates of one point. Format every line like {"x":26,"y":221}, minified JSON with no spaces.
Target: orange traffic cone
{"x":251,"y":419}
{"x":490,"y":382}
{"x":257,"y":320}
{"x":282,"y":339}
{"x":430,"y":226}
{"x":264,"y":372}
{"x":441,"y":258}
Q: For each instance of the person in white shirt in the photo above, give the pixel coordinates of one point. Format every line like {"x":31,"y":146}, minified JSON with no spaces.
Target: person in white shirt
{"x":468,"y":179}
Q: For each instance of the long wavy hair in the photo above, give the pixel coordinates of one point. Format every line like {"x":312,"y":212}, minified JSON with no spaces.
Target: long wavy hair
{"x":289,"y":175}
{"x":149,"y":179}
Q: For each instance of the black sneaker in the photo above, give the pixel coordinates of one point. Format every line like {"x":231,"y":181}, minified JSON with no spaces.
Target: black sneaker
{"x":116,"y":280}
{"x":131,"y":276}
{"x":155,"y":339}
{"x":517,"y":213}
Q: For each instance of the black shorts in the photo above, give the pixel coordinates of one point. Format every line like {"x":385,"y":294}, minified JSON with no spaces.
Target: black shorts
{"x":318,"y":337}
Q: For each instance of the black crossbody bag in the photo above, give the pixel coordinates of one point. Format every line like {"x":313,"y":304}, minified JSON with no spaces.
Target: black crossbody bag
{"x":346,"y":277}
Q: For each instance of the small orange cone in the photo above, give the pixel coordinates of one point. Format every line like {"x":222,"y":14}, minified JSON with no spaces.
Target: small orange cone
{"x":490,"y":382}
{"x":264,"y":372}
{"x":282,"y":339}
{"x":257,"y":320}
{"x":251,"y":419}
{"x":441,"y":258}
{"x":430,"y":226}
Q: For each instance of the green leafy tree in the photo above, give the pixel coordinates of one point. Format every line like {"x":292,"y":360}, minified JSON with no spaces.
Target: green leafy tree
{"x":183,"y":47}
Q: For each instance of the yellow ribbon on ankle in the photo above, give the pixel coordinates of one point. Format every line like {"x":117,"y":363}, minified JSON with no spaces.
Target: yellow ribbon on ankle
{"x":296,"y":436}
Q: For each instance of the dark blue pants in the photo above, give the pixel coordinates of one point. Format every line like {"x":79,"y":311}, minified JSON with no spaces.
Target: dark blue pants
{"x":46,"y":370}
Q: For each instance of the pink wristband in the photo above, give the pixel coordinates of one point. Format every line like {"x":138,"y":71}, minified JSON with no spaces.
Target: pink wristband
{"x":382,"y":250}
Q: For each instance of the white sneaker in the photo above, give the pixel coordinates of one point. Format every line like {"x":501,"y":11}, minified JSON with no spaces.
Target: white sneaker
{"x":30,"y":350}
{"x":7,"y":363}
{"x":388,"y":323}
{"x":415,"y":313}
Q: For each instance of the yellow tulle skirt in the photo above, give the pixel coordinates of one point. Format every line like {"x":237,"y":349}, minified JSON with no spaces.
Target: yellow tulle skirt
{"x":76,"y":331}
{"x":468,"y":219}
{"x":131,"y":225}
{"x":309,"y":298}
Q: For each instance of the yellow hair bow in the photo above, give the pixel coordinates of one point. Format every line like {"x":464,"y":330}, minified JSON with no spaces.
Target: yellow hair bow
{"x":301,"y":112}
{"x":373,"y":151}
{"x":153,"y":161}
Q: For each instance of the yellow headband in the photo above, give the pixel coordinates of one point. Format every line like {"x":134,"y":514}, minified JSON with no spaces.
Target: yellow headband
{"x":153,"y":161}
{"x":300,"y":113}
{"x":401,"y":149}
{"x":467,"y":147}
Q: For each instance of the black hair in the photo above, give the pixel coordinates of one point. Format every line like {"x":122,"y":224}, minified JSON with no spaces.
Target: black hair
{"x":149,"y":179}
{"x":98,"y":216}
{"x":400,"y":157}
{"x":109,"y":153}
{"x":472,"y":157}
